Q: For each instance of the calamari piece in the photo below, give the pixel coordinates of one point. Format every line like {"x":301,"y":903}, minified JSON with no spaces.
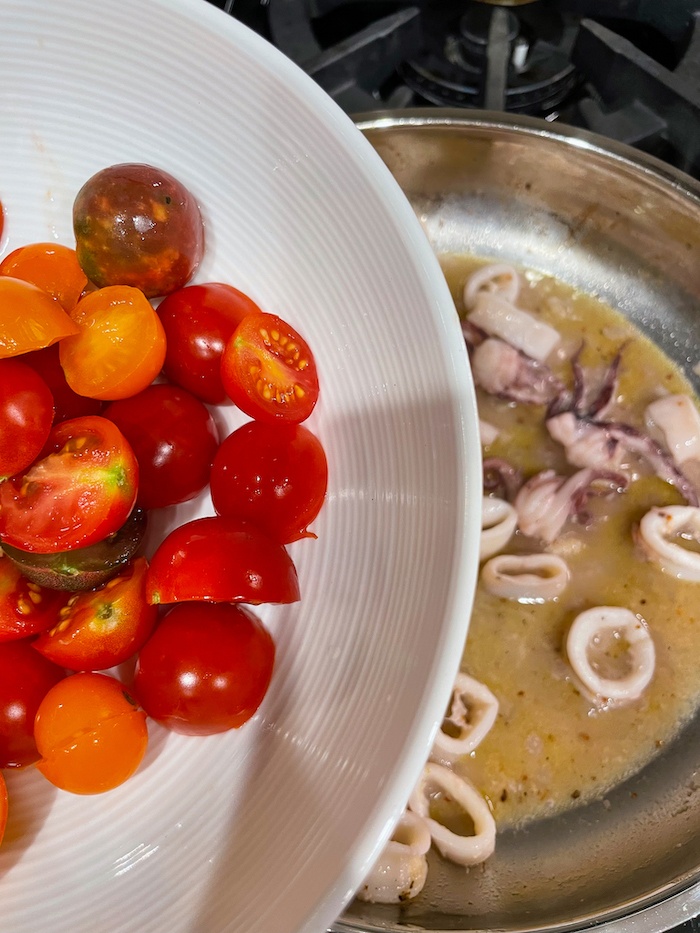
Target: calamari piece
{"x":471,"y":715}
{"x":678,"y":420}
{"x":498,"y":522}
{"x":622,"y":626}
{"x":496,"y":277}
{"x":526,"y":577}
{"x":546,"y":501}
{"x":400,"y":872}
{"x":436,"y":781}
{"x":487,"y":432}
{"x":520,"y":329}
{"x":502,"y":370}
{"x":657,"y":531}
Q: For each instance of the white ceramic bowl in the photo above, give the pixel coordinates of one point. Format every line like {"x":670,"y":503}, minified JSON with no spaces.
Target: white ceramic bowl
{"x":269,"y":829}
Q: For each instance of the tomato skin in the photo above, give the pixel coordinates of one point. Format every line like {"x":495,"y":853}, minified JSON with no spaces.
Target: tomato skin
{"x":25,"y":607}
{"x":136,"y":224}
{"x":269,"y":371}
{"x":26,"y":416}
{"x":205,"y":669}
{"x":81,"y":490}
{"x":174,"y":438}
{"x":221,"y":560}
{"x":25,"y":678}
{"x":101,"y":628}
{"x":274,"y":476}
{"x":29,"y":318}
{"x":90,"y":735}
{"x":67,"y":403}
{"x":120,"y":346}
{"x":199,"y":320}
{"x":52,"y":267}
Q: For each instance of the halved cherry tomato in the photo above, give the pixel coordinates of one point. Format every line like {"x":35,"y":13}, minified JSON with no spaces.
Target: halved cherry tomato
{"x":120,"y":347}
{"x":25,"y":607}
{"x":68,"y":404}
{"x":221,"y":560}
{"x":51,"y":266}
{"x":268,"y":370}
{"x":199,"y":320}
{"x":205,"y":669}
{"x":25,"y":679}
{"x":3,"y":786}
{"x":272,"y":475}
{"x":26,"y":415}
{"x":102,"y":628}
{"x":136,"y":224}
{"x":29,"y":318}
{"x":90,"y":734}
{"x":174,"y":438}
{"x":82,"y":489}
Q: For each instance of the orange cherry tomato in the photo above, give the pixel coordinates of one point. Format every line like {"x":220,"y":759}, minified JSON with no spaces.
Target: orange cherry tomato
{"x":30,"y":318}
{"x":90,"y":734}
{"x":3,"y":786}
{"x":120,"y":347}
{"x":50,"y":266}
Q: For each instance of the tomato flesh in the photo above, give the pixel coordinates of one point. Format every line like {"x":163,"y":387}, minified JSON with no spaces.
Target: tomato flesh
{"x":89,"y":733}
{"x":206,"y":668}
{"x":269,"y":371}
{"x":80,"y":491}
{"x":26,"y":416}
{"x":221,"y":560}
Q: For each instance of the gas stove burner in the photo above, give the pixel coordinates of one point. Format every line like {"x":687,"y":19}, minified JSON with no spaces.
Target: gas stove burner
{"x":500,"y":57}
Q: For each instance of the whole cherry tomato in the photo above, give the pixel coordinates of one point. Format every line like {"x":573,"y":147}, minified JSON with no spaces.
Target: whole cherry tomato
{"x":25,"y":679}
{"x":221,"y":560}
{"x":174,"y":438}
{"x":51,"y":266}
{"x":26,"y":415}
{"x":67,"y":403}
{"x":120,"y":346}
{"x":136,"y":224}
{"x":80,"y":491}
{"x":199,"y":320}
{"x":25,"y":607}
{"x":272,"y":475}
{"x":90,"y":734}
{"x":268,"y":370}
{"x":30,"y":318}
{"x":101,"y":628}
{"x":205,"y":669}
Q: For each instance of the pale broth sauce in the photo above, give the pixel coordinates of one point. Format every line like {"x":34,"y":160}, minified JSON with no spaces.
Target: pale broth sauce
{"x":550,"y":749}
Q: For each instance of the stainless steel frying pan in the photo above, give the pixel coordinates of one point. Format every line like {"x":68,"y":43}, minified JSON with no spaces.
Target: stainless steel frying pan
{"x":625,"y":227}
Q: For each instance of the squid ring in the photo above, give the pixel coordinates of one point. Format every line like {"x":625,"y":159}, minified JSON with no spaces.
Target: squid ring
{"x":498,"y":522}
{"x":661,"y":524}
{"x":528,"y":577}
{"x":464,"y":850}
{"x":400,"y":872}
{"x":587,"y":627}
{"x":472,"y":720}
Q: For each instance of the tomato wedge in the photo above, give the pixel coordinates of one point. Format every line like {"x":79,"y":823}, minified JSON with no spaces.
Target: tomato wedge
{"x":120,"y":347}
{"x":30,"y":318}
{"x":268,"y":370}
{"x":51,"y":266}
{"x":80,"y":491}
{"x":221,"y":560}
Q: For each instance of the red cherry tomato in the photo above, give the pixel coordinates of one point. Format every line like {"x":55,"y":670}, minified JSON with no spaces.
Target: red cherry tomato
{"x":26,"y":415}
{"x":102,"y":628}
{"x":205,"y":669}
{"x":136,"y":225}
{"x":81,"y":491}
{"x":68,"y":404}
{"x":25,"y":679}
{"x":90,"y":734}
{"x":50,"y":266}
{"x":272,"y":475}
{"x":174,"y":438}
{"x":25,"y":607}
{"x":199,"y":320}
{"x":221,"y":560}
{"x":30,"y":318}
{"x":268,"y":370}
